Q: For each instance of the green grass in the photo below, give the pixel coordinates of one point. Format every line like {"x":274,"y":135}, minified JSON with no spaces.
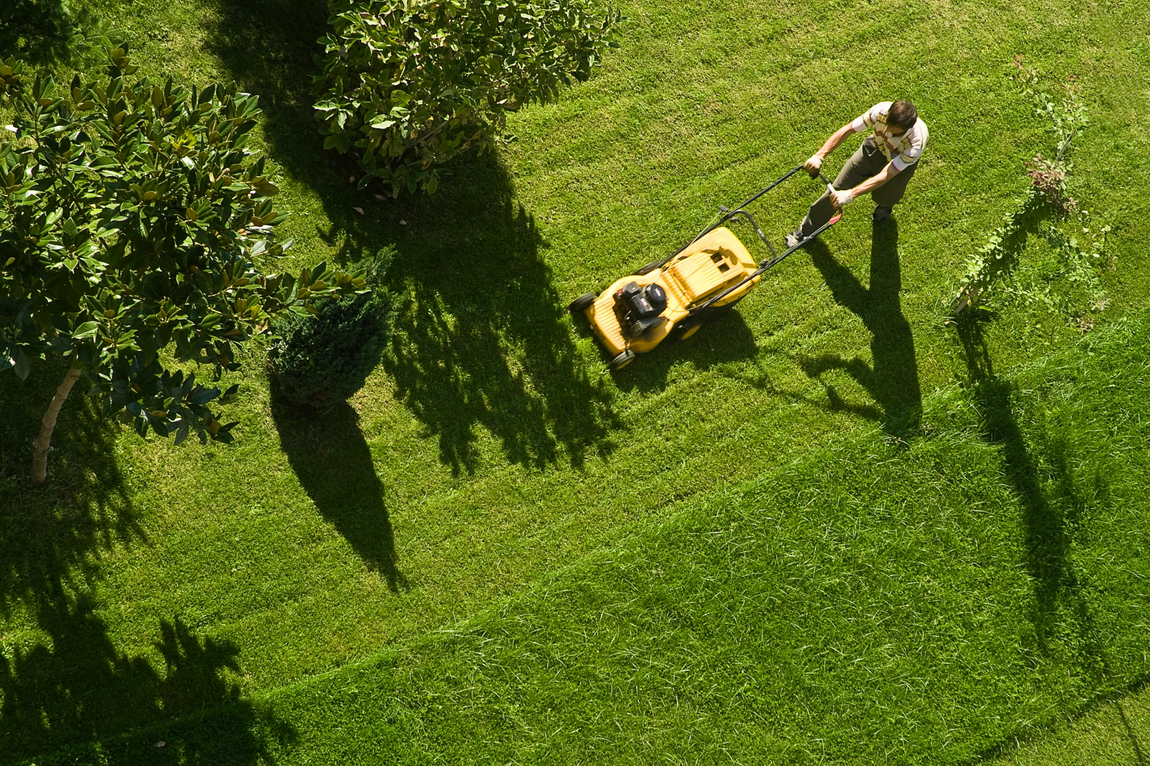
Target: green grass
{"x":1116,"y":731}
{"x":870,"y":601}
{"x":492,"y":449}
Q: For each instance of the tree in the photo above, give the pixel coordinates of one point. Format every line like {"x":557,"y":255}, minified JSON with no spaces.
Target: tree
{"x":408,"y":84}
{"x":131,"y":219}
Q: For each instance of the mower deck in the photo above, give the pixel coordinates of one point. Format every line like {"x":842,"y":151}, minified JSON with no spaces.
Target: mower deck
{"x":704,"y":269}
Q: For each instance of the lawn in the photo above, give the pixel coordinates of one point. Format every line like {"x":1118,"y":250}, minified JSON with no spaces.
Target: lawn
{"x":523,"y":557}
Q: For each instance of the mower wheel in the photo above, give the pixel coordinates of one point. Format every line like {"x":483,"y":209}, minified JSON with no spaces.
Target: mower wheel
{"x":687,"y":327}
{"x":649,"y":268}
{"x":581,"y":303}
{"x":622,"y":360}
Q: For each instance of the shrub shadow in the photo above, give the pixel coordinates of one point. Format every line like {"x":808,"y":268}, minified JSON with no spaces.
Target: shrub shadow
{"x":1039,"y":465}
{"x":330,"y":457}
{"x":891,"y":378}
{"x":76,"y":689}
{"x":1051,"y":496}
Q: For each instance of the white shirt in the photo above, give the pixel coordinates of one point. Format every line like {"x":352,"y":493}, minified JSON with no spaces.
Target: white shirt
{"x":902,"y":150}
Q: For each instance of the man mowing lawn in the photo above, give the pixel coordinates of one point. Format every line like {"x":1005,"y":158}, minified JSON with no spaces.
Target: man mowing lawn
{"x":882,"y":166}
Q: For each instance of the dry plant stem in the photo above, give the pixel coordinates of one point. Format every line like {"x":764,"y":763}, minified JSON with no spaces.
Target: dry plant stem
{"x":43,"y":444}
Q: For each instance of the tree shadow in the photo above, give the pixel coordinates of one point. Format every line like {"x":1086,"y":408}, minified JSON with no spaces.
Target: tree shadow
{"x":285,"y":33}
{"x":76,"y":689}
{"x":331,"y":459}
{"x":892,"y":377}
{"x":40,"y":31}
{"x":481,"y":339}
{"x":52,"y":535}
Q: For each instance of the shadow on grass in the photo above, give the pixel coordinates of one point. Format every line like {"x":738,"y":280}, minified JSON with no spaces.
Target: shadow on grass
{"x":891,"y":378}
{"x":1012,"y":744}
{"x":76,"y":689}
{"x":268,"y":47}
{"x":481,"y":341}
{"x":332,"y":461}
{"x":72,"y":688}
{"x":52,"y":536}
{"x":1052,"y":499}
{"x":38,"y":31}
{"x":720,"y":340}
{"x":1038,"y":463}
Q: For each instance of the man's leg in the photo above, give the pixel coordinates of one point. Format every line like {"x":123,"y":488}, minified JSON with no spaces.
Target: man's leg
{"x":864,"y":163}
{"x":888,"y":195}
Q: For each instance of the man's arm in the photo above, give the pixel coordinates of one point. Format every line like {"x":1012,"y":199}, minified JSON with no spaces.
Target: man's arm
{"x":816,"y":161}
{"x":840,"y":198}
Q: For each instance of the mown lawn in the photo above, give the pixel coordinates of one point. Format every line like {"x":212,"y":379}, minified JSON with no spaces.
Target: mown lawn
{"x":492,"y":466}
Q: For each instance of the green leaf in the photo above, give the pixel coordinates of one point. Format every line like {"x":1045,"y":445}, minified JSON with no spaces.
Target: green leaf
{"x":23,"y":365}
{"x":86,"y":331}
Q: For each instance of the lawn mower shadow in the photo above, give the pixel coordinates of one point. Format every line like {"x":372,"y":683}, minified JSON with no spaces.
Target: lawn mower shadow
{"x":725,"y":338}
{"x":331,"y":459}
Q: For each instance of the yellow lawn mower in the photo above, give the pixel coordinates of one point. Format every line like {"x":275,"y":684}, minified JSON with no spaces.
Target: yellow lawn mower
{"x":675,"y":296}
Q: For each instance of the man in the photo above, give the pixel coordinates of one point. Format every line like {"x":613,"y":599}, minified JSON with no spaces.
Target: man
{"x":881,"y":167}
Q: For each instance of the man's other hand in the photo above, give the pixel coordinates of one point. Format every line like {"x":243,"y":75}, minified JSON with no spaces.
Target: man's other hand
{"x":841,"y":199}
{"x":814,"y":164}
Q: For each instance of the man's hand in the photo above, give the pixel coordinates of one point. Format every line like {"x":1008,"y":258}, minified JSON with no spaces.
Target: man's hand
{"x":841,"y":199}
{"x":814,"y":164}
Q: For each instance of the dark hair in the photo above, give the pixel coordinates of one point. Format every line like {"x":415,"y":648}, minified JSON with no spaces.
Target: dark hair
{"x":903,"y":114}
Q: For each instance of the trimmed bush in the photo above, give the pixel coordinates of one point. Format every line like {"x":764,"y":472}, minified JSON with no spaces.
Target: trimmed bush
{"x":408,"y":84}
{"x":319,"y":360}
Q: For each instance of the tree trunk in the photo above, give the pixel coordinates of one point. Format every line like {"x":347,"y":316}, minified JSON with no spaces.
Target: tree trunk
{"x":43,"y":444}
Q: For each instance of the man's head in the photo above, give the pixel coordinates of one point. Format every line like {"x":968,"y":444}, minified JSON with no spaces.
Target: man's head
{"x":901,"y":117}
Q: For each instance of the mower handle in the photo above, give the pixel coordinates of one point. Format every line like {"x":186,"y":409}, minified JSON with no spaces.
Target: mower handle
{"x":729,"y":215}
{"x":775,"y":259}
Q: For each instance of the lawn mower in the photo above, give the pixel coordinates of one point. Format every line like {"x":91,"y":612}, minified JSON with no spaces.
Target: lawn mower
{"x":675,"y":296}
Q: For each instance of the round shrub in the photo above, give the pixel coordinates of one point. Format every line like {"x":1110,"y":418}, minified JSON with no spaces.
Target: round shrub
{"x":319,"y":360}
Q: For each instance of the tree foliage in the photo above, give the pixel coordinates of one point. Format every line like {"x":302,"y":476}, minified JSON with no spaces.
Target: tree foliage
{"x":408,"y":84}
{"x":132,"y":217}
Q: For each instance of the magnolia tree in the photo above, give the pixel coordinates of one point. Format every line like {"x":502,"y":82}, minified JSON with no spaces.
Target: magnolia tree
{"x":132,"y":219}
{"x":408,"y":84}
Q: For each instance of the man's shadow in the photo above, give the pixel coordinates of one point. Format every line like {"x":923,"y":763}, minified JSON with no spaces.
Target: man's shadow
{"x":892,"y":377}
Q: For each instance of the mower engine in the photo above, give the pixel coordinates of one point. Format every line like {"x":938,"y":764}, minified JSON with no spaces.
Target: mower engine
{"x":639,"y":308}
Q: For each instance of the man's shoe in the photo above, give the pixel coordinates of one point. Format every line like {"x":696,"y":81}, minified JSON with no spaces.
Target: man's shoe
{"x":793,"y":240}
{"x":881,"y":214}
